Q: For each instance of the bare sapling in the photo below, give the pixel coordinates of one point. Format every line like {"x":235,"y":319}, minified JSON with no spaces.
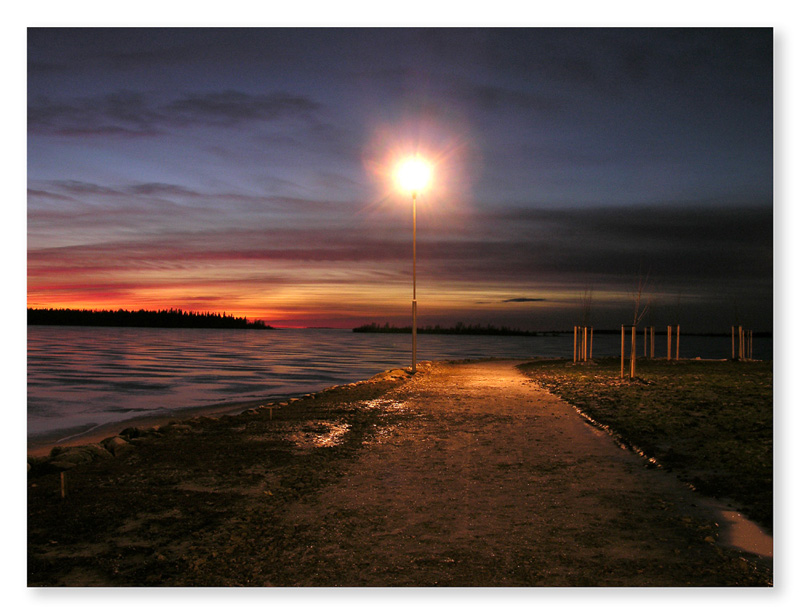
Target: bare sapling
{"x":641,"y":306}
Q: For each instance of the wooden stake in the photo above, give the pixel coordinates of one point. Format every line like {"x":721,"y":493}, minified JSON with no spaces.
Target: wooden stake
{"x":741,"y":352}
{"x":591,"y":342}
{"x":669,"y":343}
{"x":585,"y":344}
{"x":678,"y":343}
{"x":622,"y":354}
{"x":575,"y":345}
{"x":633,"y":352}
{"x":652,"y":342}
{"x":63,"y":485}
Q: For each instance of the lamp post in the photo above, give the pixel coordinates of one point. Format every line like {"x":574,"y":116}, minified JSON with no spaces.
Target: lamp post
{"x":413,"y":175}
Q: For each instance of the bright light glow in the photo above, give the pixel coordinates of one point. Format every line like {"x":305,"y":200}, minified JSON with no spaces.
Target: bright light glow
{"x":413,"y":174}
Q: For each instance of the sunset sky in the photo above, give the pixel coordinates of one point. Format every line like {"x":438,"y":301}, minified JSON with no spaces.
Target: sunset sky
{"x":250,"y":171}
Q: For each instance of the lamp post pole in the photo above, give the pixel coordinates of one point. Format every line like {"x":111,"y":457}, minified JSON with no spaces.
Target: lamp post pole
{"x":414,"y":287}
{"x":413,"y":175}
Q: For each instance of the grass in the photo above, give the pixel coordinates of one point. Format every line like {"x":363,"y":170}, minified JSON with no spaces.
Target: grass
{"x":708,"y":421}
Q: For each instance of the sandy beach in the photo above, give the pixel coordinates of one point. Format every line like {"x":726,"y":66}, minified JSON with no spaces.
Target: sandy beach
{"x":464,"y":474}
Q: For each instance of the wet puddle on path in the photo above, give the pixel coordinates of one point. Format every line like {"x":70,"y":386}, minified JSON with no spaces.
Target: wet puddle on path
{"x":739,"y":532}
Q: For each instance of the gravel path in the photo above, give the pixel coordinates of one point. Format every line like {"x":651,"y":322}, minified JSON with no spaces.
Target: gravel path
{"x":490,"y":480}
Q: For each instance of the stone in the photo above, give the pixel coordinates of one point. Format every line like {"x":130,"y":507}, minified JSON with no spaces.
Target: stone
{"x":175,"y":427}
{"x":80,"y":455}
{"x":116,"y":445}
{"x":62,"y":465}
{"x":131,"y":433}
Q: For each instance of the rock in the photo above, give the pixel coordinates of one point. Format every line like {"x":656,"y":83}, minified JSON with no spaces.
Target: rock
{"x":62,"y":465}
{"x":392,"y":375}
{"x":202,"y":421}
{"x":175,"y":427}
{"x":39,"y":465}
{"x":80,"y":455}
{"x":97,"y":451}
{"x":116,"y":445}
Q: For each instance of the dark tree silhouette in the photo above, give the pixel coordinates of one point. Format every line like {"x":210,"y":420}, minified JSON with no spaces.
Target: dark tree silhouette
{"x":165,"y":318}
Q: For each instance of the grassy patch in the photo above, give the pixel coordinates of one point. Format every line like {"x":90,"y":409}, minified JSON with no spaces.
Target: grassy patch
{"x":710,"y":422}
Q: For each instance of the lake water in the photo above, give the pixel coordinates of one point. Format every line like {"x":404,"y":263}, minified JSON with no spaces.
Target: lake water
{"x":81,"y":377}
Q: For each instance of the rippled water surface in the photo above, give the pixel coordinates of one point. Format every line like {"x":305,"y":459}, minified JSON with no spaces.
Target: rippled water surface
{"x":79,"y":377}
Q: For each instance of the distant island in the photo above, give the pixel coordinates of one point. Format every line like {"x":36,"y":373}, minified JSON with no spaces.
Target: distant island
{"x":165,"y":318}
{"x":458,"y":329}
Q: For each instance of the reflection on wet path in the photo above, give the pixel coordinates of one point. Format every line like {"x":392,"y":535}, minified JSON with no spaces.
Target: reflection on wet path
{"x":742,"y":533}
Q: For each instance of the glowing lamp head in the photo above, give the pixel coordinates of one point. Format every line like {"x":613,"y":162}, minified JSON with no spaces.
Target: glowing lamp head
{"x":413,"y":174}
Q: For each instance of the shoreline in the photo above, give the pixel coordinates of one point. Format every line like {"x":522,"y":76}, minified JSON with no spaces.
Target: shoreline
{"x":40,"y":446}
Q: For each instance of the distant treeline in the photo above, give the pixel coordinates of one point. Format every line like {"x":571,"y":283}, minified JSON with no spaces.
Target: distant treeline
{"x":478,"y":329}
{"x":165,"y":318}
{"x":458,"y":329}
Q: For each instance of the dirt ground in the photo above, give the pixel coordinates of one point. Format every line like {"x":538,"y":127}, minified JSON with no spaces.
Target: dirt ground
{"x":466,"y":474}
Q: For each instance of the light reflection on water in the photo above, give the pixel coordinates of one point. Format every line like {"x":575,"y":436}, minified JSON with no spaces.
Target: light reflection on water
{"x":83,"y":376}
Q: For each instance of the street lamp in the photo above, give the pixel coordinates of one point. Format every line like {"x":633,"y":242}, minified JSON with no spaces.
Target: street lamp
{"x":413,"y":175}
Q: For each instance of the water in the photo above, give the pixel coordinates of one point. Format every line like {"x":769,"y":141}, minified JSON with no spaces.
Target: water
{"x":81,"y":377}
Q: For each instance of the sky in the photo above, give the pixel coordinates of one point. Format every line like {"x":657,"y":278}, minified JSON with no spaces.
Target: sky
{"x":250,"y":171}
